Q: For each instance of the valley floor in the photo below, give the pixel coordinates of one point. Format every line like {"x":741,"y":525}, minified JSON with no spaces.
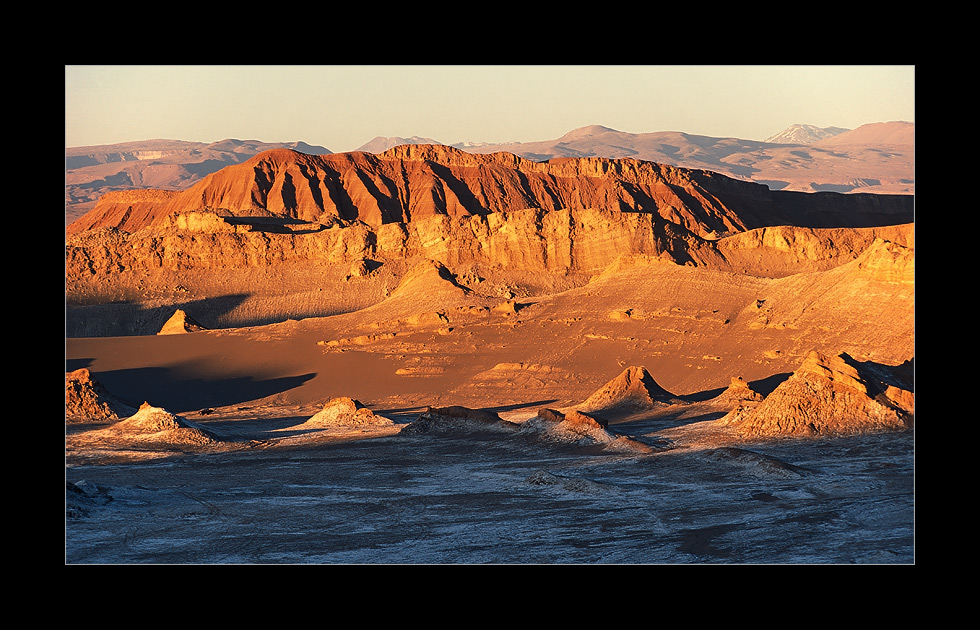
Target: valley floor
{"x":276,"y":493}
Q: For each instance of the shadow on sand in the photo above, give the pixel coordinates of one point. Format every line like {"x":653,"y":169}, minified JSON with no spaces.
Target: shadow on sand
{"x":763,"y":386}
{"x":179,"y":392}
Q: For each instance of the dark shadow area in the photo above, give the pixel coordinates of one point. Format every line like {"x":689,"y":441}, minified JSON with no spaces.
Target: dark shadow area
{"x":313,"y":183}
{"x":276,"y":225}
{"x":839,"y":210}
{"x":372,"y":265}
{"x":704,"y":541}
{"x":879,"y":376}
{"x":460,"y":189}
{"x":841,"y":188}
{"x":205,"y":167}
{"x":536,"y":403}
{"x":390,"y":208}
{"x":405,"y":415}
{"x":532,"y":198}
{"x":266,"y":428}
{"x":123,"y":319}
{"x":117,"y":179}
{"x":339,"y":196}
{"x":170,"y":389}
{"x":707,"y":394}
{"x":76,"y":364}
{"x":743,"y":170}
{"x":79,"y":161}
{"x":762,"y":386}
{"x":765,"y":386}
{"x":288,"y":191}
{"x":773,"y":184}
{"x":127,"y":319}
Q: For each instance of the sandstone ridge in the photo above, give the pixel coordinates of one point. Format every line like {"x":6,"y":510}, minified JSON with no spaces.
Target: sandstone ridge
{"x":410,"y":182}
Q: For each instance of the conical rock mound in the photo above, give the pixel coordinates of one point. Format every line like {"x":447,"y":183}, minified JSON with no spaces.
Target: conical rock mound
{"x":425,"y":278}
{"x":86,"y":400}
{"x":180,"y":323}
{"x":579,"y":429}
{"x":738,"y":398}
{"x":634,"y":388}
{"x":346,"y":413}
{"x":159,"y":425}
{"x":832,"y":395}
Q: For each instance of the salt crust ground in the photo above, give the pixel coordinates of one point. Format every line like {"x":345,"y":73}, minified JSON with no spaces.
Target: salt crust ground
{"x":280,"y":493}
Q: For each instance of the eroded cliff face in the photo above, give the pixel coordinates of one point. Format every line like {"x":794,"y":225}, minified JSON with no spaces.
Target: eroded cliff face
{"x":559,"y":241}
{"x":413,"y":182}
{"x":534,"y":240}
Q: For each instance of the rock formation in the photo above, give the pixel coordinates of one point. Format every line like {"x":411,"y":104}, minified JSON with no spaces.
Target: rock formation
{"x":738,"y":397}
{"x":832,"y":395}
{"x":179,"y":323}
{"x":345,"y":413}
{"x":634,"y":388}
{"x":457,"y":420}
{"x":156,"y":424}
{"x":86,"y":400}
{"x":579,"y":429}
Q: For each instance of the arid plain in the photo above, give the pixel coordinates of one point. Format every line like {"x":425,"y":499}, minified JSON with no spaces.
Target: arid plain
{"x":426,"y":355}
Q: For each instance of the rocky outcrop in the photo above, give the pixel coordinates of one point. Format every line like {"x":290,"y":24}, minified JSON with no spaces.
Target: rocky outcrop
{"x":832,"y":395}
{"x":634,"y":389}
{"x":345,"y":413}
{"x":457,"y":420}
{"x":785,"y":250}
{"x":738,"y":398}
{"x":580,"y":429}
{"x":756,"y":464}
{"x":886,"y":261}
{"x":127,"y":210}
{"x":86,"y":400}
{"x":427,"y":276}
{"x":156,"y":424}
{"x":180,"y":323}
{"x":585,"y":240}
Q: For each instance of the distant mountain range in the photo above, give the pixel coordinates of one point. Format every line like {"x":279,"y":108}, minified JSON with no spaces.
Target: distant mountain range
{"x":805,"y":134}
{"x":874,"y":158}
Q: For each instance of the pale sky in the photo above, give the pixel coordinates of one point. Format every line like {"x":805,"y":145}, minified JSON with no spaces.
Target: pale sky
{"x":343,"y":107}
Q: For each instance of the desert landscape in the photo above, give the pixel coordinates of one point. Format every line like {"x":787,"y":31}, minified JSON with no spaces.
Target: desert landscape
{"x":432,"y":354}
